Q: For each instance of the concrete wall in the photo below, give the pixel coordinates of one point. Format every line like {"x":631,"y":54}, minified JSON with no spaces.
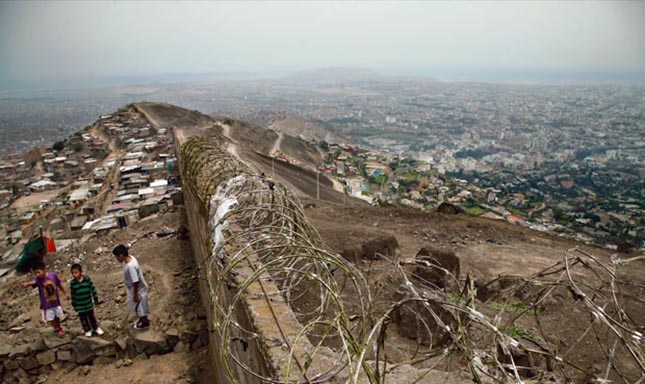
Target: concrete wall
{"x":254,"y":333}
{"x":252,"y":355}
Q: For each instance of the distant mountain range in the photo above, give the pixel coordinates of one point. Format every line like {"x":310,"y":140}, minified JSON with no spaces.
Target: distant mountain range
{"x":340,"y":75}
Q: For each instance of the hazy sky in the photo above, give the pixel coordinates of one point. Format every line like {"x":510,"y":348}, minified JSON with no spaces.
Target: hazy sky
{"x":41,"y":41}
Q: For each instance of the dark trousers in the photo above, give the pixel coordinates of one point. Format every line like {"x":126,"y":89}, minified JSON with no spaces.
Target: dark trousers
{"x":88,"y":321}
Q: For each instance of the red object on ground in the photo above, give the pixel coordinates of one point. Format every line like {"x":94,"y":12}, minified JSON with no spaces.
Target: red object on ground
{"x":51,"y":246}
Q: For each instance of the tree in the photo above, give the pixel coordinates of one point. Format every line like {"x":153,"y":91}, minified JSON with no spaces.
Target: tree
{"x":77,"y":146}
{"x":379,"y":179}
{"x":59,"y":145}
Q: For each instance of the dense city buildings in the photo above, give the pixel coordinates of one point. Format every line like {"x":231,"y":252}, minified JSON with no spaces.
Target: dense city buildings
{"x":563,"y":158}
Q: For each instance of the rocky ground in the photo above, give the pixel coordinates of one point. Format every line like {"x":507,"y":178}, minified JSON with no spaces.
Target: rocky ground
{"x":171,"y":351}
{"x":485,"y":250}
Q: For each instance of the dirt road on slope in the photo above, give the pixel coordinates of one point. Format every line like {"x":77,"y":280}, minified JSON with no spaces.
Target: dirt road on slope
{"x":276,"y":145}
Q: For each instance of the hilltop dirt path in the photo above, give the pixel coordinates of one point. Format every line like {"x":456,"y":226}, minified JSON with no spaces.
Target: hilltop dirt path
{"x":107,"y":193}
{"x":174,"y":301}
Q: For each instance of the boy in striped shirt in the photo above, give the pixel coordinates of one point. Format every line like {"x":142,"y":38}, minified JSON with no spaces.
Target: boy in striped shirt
{"x":83,"y":291}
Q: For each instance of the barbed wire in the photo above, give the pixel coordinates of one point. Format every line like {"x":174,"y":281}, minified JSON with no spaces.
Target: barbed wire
{"x":263,"y":248}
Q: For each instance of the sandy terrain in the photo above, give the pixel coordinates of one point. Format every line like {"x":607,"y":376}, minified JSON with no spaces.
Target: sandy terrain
{"x":35,"y":198}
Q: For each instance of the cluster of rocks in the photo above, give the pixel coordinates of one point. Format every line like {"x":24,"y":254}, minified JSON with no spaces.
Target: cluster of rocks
{"x":374,"y":248}
{"x":426,"y":322}
{"x":34,"y":361}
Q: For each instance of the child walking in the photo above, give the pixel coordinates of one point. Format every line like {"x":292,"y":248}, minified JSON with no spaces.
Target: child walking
{"x":137,"y":286}
{"x":83,"y":291}
{"x":48,"y":285}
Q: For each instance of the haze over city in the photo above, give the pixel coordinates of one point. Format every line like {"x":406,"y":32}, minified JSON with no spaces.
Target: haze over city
{"x":81,"y":44}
